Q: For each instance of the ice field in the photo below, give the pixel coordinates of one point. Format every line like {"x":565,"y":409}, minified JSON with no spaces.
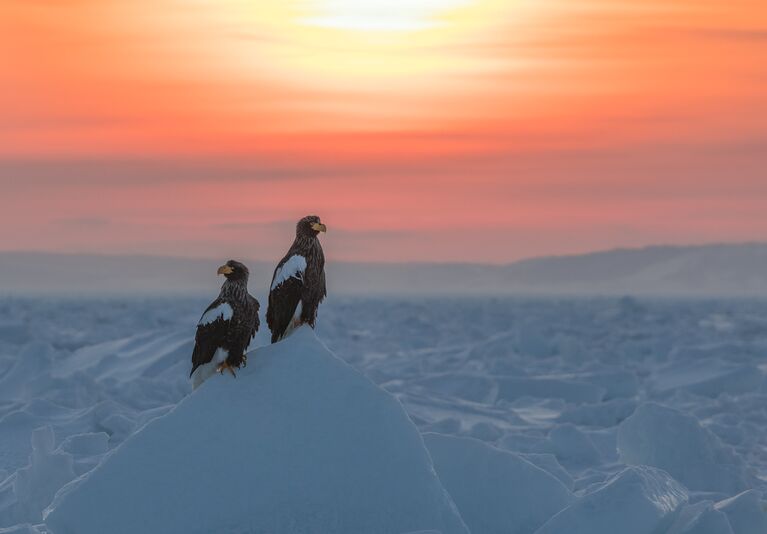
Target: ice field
{"x":547,"y":416}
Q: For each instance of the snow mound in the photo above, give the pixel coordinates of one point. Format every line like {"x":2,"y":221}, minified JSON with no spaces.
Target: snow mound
{"x":298,"y":442}
{"x":638,"y":500}
{"x":671,"y":440}
{"x":496,"y":491}
{"x":25,"y":494}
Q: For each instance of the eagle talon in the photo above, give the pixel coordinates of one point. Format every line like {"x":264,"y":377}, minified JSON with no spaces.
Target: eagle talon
{"x":224,"y":366}
{"x":244,"y":360}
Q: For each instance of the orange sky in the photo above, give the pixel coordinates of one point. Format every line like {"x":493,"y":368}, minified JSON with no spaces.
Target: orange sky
{"x":452,"y":130}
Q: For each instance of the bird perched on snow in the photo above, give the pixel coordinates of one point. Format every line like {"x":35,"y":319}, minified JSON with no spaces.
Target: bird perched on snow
{"x":226,"y":327}
{"x":298,"y":284}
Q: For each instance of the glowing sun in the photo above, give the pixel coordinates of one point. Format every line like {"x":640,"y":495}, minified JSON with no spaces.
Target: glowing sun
{"x":359,"y":43}
{"x":379,"y":15}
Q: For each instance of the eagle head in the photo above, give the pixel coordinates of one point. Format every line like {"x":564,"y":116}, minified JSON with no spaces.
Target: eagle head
{"x":310,"y":226}
{"x":234,"y":270}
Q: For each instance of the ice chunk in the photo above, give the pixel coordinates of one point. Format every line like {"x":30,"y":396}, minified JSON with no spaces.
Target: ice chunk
{"x":549,"y":463}
{"x":298,"y":442}
{"x":465,"y":386}
{"x":709,"y":378}
{"x":28,"y":491}
{"x":746,"y":512}
{"x":620,"y":383}
{"x":43,"y":440}
{"x":638,"y":500}
{"x":533,"y":342}
{"x":666,"y":438}
{"x":604,"y":414}
{"x":118,"y":426}
{"x":449,"y":425}
{"x":20,"y":529}
{"x":496,"y":491}
{"x":572,"y":447}
{"x":485,"y":431}
{"x":87,"y":444}
{"x":29,"y":374}
{"x":525,"y":443}
{"x":511,"y":388}
{"x":700,"y":518}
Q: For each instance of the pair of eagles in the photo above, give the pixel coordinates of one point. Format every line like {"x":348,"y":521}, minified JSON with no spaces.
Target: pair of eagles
{"x":231,"y":321}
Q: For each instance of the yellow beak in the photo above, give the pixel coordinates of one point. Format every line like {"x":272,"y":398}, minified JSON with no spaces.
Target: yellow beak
{"x":225,"y":269}
{"x":319,"y":227}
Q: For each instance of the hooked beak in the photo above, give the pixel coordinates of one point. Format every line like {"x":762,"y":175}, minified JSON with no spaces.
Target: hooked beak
{"x":225,"y":269}
{"x":319,"y":227}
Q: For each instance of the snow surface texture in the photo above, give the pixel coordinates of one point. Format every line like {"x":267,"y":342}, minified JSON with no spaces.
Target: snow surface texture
{"x":628,"y":405}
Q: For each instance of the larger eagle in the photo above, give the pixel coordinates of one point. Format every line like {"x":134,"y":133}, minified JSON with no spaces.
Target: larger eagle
{"x":226,"y":327}
{"x":298,"y":283}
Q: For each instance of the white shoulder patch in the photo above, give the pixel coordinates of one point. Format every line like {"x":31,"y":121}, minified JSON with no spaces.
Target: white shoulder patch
{"x":222,"y":311}
{"x":293,"y":268}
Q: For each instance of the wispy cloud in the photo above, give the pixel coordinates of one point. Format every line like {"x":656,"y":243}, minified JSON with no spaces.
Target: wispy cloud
{"x":505,"y":129}
{"x":734,"y":34}
{"x":85,"y":222}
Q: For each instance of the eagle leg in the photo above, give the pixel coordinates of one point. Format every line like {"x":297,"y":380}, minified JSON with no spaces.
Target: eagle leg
{"x":244,"y":360}
{"x":224,"y":366}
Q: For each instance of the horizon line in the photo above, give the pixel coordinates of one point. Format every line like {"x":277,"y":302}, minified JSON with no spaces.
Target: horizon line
{"x":713,"y":244}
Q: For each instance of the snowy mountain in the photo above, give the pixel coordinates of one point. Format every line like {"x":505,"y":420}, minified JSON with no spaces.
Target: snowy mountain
{"x":711,"y":270}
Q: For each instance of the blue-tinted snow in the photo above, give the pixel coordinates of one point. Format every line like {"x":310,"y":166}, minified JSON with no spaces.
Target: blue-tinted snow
{"x":558,"y":383}
{"x":300,"y":442}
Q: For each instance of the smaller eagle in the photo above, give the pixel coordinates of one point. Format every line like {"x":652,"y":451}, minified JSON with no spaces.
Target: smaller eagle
{"x":226,"y":327}
{"x":298,"y":284}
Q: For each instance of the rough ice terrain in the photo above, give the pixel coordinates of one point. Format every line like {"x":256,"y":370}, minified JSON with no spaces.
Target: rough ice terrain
{"x":600,"y":416}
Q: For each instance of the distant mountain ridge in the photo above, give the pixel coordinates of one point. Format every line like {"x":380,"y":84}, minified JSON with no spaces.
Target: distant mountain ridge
{"x":738,"y":269}
{"x":706,"y":270}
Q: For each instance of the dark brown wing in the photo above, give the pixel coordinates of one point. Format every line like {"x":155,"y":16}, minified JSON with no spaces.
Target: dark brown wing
{"x":254,"y":306}
{"x":314,"y":290}
{"x":211,"y":332}
{"x":283,"y":300}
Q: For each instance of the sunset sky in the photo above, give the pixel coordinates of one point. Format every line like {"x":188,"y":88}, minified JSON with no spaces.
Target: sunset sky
{"x":419,"y":130}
